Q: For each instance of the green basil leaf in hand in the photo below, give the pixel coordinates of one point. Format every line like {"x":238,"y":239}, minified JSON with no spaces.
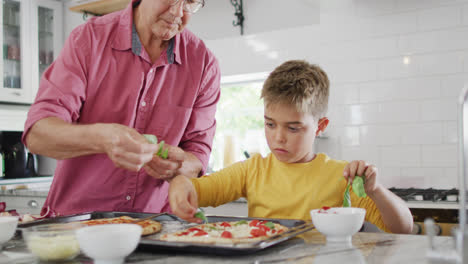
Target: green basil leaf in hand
{"x":347,"y":197}
{"x":202,"y":216}
{"x":160,"y":150}
{"x":358,"y":186}
{"x":165,"y":153}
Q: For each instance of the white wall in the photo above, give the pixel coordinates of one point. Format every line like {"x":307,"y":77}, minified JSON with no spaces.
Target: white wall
{"x":401,"y":117}
{"x":71,"y":19}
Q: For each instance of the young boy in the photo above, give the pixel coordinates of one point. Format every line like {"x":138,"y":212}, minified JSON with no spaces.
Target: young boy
{"x":292,"y":179}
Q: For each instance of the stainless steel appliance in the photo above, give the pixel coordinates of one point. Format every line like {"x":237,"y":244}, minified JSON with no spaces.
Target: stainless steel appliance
{"x":439,"y":204}
{"x":18,"y":161}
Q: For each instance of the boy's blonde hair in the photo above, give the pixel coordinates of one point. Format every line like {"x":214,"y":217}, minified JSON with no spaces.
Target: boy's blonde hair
{"x":300,"y":84}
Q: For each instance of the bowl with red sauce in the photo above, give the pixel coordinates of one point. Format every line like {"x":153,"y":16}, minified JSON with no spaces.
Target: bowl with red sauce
{"x":338,"y":224}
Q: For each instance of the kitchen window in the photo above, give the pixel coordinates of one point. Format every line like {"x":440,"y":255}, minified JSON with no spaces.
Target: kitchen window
{"x":239,"y":130}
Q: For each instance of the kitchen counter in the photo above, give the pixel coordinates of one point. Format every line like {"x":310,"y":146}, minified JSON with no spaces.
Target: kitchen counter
{"x":310,"y":247}
{"x":24,"y":192}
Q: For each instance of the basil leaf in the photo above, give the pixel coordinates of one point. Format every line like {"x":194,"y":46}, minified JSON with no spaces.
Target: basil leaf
{"x":202,"y":216}
{"x":165,"y":153}
{"x":347,"y":197}
{"x":241,"y":222}
{"x":358,"y":186}
{"x":161,"y":145}
{"x":271,"y":225}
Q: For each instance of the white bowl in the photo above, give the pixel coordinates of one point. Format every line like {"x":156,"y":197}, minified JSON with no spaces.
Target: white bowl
{"x":7,"y":228}
{"x":338,"y":224}
{"x":109,"y":244}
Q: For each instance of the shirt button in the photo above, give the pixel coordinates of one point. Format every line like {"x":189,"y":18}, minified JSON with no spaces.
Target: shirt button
{"x":128,"y":197}
{"x":143,"y":103}
{"x":152,"y":70}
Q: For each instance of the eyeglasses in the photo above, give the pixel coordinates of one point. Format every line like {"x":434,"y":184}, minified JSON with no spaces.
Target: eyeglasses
{"x":190,"y":6}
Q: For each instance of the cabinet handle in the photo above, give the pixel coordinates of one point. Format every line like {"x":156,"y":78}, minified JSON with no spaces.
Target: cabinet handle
{"x":33,"y":204}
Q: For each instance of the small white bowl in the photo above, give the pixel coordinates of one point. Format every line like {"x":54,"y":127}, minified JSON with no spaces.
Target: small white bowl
{"x":109,"y":244}
{"x":7,"y":228}
{"x":338,"y":224}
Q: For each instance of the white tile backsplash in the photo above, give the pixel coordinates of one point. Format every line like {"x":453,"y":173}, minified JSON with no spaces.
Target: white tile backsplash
{"x":380,"y":135}
{"x":440,"y":63}
{"x":437,"y":18}
{"x":433,"y":41}
{"x":421,"y":133}
{"x":369,"y":154}
{"x":400,"y":90}
{"x":439,"y":110}
{"x":401,"y":156}
{"x":452,"y":85}
{"x":450,"y":135}
{"x":439,"y":155}
{"x":395,"y":68}
{"x":393,"y":25}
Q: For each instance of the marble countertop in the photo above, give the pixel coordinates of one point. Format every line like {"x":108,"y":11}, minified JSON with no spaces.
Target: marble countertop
{"x":307,"y":248}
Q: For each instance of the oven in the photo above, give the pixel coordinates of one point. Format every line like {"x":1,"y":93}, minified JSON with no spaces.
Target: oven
{"x":438,"y":204}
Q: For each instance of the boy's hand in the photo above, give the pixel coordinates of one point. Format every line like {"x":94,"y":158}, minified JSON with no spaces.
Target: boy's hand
{"x":166,"y":169}
{"x":361,"y":168}
{"x":183,"y":198}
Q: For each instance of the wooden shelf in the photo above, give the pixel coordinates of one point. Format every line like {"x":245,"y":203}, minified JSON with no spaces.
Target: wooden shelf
{"x":100,"y":7}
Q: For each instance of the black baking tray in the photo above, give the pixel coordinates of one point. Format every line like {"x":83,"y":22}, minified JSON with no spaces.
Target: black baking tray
{"x":172,"y":223}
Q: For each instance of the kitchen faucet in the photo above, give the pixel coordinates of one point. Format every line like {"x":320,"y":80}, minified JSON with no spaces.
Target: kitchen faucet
{"x":461,"y":238}
{"x":458,"y":254}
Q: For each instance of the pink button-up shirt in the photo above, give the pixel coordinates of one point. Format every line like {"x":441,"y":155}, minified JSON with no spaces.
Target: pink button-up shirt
{"x":104,"y":75}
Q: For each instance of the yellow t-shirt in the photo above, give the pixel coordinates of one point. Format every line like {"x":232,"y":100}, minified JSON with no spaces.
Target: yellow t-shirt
{"x":275,"y":189}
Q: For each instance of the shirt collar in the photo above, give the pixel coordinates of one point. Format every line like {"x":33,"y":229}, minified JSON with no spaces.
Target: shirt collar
{"x":127,"y":36}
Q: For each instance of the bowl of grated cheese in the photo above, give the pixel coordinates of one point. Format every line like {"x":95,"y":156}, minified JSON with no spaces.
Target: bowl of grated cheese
{"x":53,"y":242}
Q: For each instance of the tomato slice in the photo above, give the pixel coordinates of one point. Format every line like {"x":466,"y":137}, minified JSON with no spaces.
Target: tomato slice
{"x":254,"y":223}
{"x":194,"y":229}
{"x":225,"y":224}
{"x":183,"y":234}
{"x":257,"y":232}
{"x":226,"y":234}
{"x":264,"y":228}
{"x":200,"y":233}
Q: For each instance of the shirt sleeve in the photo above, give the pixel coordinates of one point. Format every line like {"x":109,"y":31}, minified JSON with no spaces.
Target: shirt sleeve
{"x":62,"y":86}
{"x":198,"y":136}
{"x":221,"y":187}
{"x":372,"y":212}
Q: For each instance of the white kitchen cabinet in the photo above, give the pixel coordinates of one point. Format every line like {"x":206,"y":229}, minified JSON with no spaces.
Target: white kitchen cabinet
{"x":31,"y":37}
{"x":24,"y":204}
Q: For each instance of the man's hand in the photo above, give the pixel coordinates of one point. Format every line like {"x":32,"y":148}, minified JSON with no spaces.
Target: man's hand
{"x":166,"y":169}
{"x":362,"y":168}
{"x":126,"y":147}
{"x":183,"y":198}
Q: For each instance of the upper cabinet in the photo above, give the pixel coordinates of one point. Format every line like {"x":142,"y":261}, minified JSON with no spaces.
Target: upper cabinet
{"x":31,"y":37}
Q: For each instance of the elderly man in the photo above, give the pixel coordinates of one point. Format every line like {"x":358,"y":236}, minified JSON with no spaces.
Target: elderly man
{"x":133,"y":72}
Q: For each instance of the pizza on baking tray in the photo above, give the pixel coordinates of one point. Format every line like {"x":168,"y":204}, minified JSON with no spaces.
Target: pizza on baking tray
{"x":149,"y":226}
{"x":243,"y":231}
